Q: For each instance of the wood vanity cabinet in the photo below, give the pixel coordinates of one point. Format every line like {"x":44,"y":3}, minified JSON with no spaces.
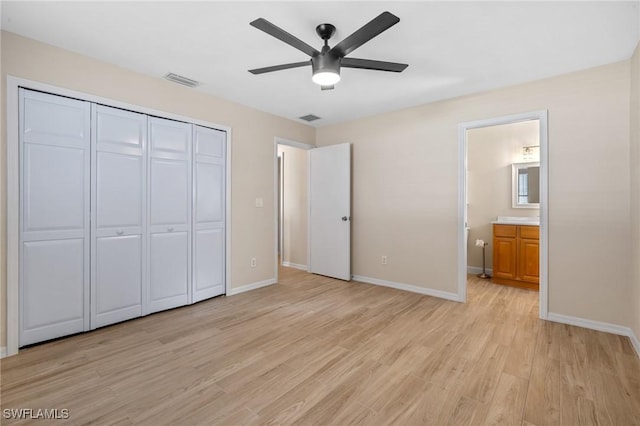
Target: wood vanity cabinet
{"x":516,"y":255}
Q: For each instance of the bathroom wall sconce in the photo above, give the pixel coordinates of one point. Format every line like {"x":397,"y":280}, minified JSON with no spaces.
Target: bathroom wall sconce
{"x":531,"y":153}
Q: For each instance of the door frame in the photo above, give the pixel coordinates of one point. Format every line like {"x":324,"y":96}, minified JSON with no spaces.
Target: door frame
{"x":13,"y":181}
{"x":543,"y":117}
{"x":280,"y":198}
{"x":276,"y":205}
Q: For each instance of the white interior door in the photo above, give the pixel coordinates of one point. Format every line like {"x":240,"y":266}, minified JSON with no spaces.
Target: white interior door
{"x":169,"y":214}
{"x":118,"y":210}
{"x":209,"y":213}
{"x":54,"y":216}
{"x":330,"y":211}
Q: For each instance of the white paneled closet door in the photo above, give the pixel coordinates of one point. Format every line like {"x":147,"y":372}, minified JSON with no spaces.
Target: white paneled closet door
{"x":169,"y":214}
{"x":54,"y":216}
{"x":118,"y":212}
{"x":209,"y":213}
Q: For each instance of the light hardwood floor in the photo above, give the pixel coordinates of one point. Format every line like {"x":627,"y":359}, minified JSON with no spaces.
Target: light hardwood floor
{"x":312,"y":350}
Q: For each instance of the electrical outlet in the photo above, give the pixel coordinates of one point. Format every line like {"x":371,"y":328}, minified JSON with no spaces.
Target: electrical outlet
{"x":384,"y":260}
{"x":253,"y":262}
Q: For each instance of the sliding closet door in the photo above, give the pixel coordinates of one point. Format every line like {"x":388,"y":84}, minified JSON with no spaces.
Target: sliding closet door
{"x":54,"y":216}
{"x":118,"y":212}
{"x":209,"y":213}
{"x":169,"y":214}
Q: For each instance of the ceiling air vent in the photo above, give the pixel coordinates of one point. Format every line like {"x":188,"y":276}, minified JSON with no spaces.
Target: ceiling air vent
{"x":309,"y":117}
{"x":182,"y":80}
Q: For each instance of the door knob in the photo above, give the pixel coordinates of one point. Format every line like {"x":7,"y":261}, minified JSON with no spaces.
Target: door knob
{"x":345,"y":218}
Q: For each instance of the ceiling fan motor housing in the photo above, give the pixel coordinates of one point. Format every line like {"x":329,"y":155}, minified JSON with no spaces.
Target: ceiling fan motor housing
{"x":325,"y":61}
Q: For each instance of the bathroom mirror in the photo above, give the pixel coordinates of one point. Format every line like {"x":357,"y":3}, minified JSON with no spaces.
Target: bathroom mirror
{"x":525,"y":185}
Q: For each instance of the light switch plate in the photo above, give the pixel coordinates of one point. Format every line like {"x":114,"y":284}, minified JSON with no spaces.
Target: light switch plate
{"x":259,"y":202}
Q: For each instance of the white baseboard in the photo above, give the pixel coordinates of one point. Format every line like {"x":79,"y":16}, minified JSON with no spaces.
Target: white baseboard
{"x":251,"y":286}
{"x":408,"y":287}
{"x":474,"y":270}
{"x":598,"y":326}
{"x":3,"y":351}
{"x":294,"y":265}
{"x":635,"y":342}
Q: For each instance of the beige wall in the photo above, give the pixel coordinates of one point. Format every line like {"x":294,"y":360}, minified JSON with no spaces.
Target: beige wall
{"x":405,"y":186}
{"x":253,"y":134}
{"x":294,"y":230}
{"x":490,"y":153}
{"x":635,"y":189}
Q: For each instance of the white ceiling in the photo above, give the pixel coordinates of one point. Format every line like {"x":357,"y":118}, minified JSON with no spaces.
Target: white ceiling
{"x":452,"y":48}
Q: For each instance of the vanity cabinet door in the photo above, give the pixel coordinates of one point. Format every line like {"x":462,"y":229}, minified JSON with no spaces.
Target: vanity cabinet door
{"x":504,"y":257}
{"x":516,"y":258}
{"x":529,"y":265}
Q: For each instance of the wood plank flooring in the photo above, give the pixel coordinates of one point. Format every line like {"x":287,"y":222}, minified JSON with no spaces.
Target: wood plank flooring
{"x":312,"y":350}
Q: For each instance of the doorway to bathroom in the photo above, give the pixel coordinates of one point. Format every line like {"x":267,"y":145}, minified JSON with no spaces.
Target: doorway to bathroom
{"x":503,"y":203}
{"x":291,"y":204}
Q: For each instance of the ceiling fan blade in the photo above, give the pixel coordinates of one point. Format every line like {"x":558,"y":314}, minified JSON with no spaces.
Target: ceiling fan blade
{"x":327,"y":87}
{"x":368,"y":31}
{"x":280,"y":34}
{"x":369,"y":64}
{"x":280,"y":67}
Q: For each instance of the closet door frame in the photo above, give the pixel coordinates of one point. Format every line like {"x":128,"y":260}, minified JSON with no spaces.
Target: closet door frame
{"x":13,"y":187}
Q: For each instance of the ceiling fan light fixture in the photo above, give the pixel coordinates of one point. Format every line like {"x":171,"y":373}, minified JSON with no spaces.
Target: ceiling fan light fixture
{"x":325,"y":77}
{"x":326,"y":69}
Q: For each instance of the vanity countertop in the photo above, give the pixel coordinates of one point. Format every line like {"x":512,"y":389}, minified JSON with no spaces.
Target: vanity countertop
{"x":515,"y":220}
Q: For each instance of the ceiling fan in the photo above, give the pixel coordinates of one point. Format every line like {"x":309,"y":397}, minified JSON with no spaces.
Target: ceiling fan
{"x":327,"y":62}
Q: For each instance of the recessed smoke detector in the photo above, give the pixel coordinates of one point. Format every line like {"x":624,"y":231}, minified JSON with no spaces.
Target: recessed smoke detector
{"x":309,"y":117}
{"x":185,"y":81}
